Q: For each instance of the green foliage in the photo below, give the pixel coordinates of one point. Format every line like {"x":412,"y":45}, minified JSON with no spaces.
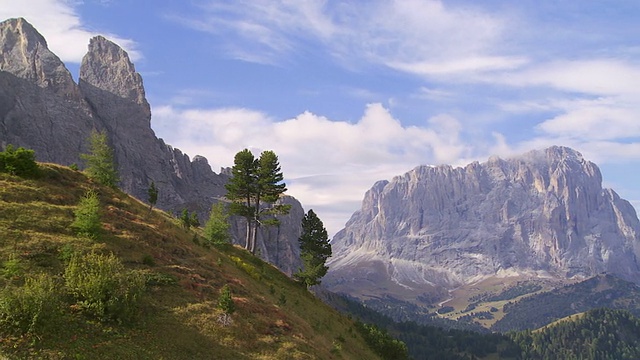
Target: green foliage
{"x":537,"y":310}
{"x":152,"y":192}
{"x":598,"y":334}
{"x":185,"y":219}
{"x":159,"y":279}
{"x":315,"y":249}
{"x":100,"y":164}
{"x":67,"y":252}
{"x":225,"y":301}
{"x":282,"y":300}
{"x":427,"y":341}
{"x":31,"y":308}
{"x":74,"y":167}
{"x":87,"y":216}
{"x":188,"y":220}
{"x":193,"y":220}
{"x":148,"y":260}
{"x":11,"y":267}
{"x":103,"y":288}
{"x":255,"y":185}
{"x":20,"y":162}
{"x":216,"y":230}
{"x":248,"y":268}
{"x":382,"y":343}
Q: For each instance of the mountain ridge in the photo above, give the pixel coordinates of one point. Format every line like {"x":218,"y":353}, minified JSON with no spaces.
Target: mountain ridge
{"x":543,"y":214}
{"x":43,"y":109}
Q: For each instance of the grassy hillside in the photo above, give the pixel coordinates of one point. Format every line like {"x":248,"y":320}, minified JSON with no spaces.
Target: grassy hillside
{"x":535,"y":311}
{"x":177,"y":316}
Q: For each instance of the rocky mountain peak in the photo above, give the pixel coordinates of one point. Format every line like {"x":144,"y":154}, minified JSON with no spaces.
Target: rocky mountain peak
{"x":107,"y":67}
{"x":25,"y":54}
{"x":544,"y":212}
{"x":111,"y":98}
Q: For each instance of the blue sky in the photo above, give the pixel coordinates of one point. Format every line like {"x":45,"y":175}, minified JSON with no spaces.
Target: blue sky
{"x":349,"y":92}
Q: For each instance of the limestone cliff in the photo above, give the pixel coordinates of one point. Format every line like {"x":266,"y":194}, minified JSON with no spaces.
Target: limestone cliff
{"x":42,"y":108}
{"x":544,"y":213}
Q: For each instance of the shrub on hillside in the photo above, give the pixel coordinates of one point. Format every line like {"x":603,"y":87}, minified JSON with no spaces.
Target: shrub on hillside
{"x":31,"y":308}
{"x":20,"y":162}
{"x":87,"y":216}
{"x":104,"y":288}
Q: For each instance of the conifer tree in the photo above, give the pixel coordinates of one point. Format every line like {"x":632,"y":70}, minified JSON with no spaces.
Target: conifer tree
{"x":241,"y":189}
{"x":254,"y":188}
{"x":87,"y":215}
{"x":315,"y":249}
{"x":185,"y":219}
{"x":216,"y":230}
{"x":100,"y":165}
{"x":153,"y":195}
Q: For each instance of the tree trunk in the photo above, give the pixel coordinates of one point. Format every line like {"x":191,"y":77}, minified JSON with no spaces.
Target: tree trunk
{"x":254,"y":238}
{"x":248,"y":237}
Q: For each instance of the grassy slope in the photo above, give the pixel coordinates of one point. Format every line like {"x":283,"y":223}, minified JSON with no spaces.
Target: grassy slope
{"x":177,"y":321}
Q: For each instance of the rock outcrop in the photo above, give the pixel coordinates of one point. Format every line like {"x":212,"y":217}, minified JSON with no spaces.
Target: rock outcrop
{"x":43,"y":109}
{"x":544,"y":213}
{"x":26,"y":55}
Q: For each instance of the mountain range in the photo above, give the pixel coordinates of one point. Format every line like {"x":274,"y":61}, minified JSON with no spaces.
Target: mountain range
{"x":42,"y":108}
{"x":439,"y":235}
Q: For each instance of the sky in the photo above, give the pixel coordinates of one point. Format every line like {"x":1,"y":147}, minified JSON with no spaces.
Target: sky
{"x":351,"y":92}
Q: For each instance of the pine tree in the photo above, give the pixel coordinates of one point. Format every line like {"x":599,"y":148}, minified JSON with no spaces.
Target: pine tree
{"x":100,"y":165}
{"x":225,"y":301}
{"x":315,"y":249}
{"x":256,"y":184}
{"x":153,"y":195}
{"x":216,"y":230}
{"x":241,"y":189}
{"x":87,"y":215}
{"x":185,"y":219}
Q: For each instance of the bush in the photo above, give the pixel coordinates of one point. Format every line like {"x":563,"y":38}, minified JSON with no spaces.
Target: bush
{"x":31,"y":308}
{"x":225,"y":301}
{"x":104,"y":288}
{"x":11,"y":267}
{"x":20,"y":162}
{"x":87,"y":216}
{"x":148,"y":260}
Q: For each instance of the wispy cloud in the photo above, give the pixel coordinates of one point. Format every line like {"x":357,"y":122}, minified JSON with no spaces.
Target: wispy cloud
{"x":418,"y":36}
{"x":59,"y":22}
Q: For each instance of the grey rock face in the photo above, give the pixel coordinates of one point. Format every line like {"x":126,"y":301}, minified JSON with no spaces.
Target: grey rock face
{"x":26,"y":55}
{"x":107,"y":67}
{"x":41,"y":108}
{"x":544,"y":213}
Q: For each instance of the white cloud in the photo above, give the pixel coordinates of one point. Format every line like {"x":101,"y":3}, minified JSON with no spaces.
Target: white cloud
{"x":426,"y":37}
{"x":593,"y":76}
{"x":326,"y":163}
{"x":60,"y":24}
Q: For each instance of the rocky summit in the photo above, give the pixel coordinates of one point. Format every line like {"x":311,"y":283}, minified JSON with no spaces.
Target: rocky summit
{"x":543,"y":214}
{"x":42,"y":108}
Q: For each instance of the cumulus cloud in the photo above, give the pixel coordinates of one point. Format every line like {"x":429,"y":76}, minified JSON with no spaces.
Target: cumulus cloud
{"x":327,"y":163}
{"x":60,"y":24}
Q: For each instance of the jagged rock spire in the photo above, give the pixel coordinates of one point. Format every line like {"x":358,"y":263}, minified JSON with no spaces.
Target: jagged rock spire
{"x":107,"y":67}
{"x":25,"y":54}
